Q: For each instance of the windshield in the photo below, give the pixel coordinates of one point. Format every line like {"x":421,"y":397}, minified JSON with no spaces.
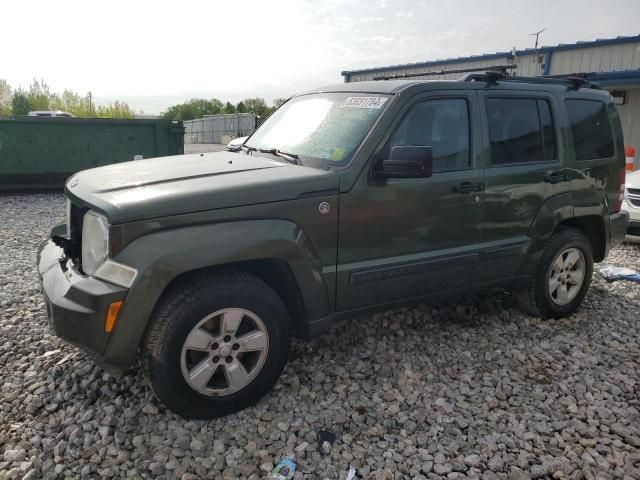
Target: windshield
{"x":320,"y":129}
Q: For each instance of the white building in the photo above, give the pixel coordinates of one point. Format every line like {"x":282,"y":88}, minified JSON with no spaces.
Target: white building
{"x":613,"y":63}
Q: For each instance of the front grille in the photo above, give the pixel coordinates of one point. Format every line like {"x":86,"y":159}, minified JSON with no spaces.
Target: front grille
{"x":76,"y":218}
{"x":633,"y":196}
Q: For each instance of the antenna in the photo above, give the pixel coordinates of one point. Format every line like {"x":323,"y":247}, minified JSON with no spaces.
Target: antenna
{"x":537,"y":34}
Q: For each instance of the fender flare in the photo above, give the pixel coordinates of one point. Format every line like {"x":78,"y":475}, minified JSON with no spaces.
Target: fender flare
{"x":565,"y":207}
{"x":161,"y":257}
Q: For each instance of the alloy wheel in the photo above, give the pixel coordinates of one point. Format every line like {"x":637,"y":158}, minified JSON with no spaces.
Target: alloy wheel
{"x":224,"y":352}
{"x":567,"y":276}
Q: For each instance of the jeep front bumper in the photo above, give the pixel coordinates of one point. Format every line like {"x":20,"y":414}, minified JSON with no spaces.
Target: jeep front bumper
{"x":633,"y":232}
{"x":618,"y":223}
{"x":77,"y":305}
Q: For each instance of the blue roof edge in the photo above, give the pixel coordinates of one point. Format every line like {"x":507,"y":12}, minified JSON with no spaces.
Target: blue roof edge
{"x":492,"y":56}
{"x":616,"y":77}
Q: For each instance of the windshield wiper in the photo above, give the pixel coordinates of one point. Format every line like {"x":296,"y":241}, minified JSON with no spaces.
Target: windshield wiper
{"x":289,"y":157}
{"x":249,"y":149}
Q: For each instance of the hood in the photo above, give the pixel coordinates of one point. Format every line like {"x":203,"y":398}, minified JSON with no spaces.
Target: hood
{"x":632,"y":180}
{"x":158,"y":187}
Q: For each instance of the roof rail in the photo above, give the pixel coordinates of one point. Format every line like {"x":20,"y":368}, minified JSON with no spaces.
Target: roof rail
{"x":573,"y":81}
{"x":498,"y":69}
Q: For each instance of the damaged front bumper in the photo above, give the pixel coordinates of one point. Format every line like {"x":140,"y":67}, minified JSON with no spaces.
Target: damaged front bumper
{"x":77,"y":304}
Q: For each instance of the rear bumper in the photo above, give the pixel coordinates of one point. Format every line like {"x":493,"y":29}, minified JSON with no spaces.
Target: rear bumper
{"x":77,"y":304}
{"x":618,"y":223}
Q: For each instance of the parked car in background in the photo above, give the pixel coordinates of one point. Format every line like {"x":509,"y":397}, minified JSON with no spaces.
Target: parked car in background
{"x":49,"y":113}
{"x":236,"y":144}
{"x":631,"y":204}
{"x":349,"y":199}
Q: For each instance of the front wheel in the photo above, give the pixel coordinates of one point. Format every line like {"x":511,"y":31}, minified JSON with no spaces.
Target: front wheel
{"x":216,"y":344}
{"x":562,"y":277}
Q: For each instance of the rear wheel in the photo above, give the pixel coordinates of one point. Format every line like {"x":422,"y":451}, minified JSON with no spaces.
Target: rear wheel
{"x":562,"y":277}
{"x":216,"y":344}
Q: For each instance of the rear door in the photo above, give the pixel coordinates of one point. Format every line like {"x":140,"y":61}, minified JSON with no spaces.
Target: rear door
{"x":599,"y":154}
{"x":525,"y":168}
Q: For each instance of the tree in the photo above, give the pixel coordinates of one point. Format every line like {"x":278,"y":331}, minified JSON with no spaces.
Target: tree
{"x":279,"y":101}
{"x":71,"y":102}
{"x":20,"y":103}
{"x":194,"y":108}
{"x":5,"y":98}
{"x":257,"y":106}
{"x":39,"y":95}
{"x":198,"y":107}
{"x":114,"y":110}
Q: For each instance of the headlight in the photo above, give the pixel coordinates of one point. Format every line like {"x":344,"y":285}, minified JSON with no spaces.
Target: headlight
{"x":95,"y":253}
{"x":95,"y":241}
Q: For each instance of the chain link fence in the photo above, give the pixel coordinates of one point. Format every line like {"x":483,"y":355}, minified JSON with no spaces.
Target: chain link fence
{"x":219,"y":128}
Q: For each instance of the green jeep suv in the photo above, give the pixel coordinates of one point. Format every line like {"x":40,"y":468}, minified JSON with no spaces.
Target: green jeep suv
{"x":349,"y":199}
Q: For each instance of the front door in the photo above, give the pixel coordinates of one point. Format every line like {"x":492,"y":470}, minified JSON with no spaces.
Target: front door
{"x":406,"y":238}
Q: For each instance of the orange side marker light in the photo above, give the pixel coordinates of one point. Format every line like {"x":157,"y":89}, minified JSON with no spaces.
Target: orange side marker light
{"x":112,"y":316}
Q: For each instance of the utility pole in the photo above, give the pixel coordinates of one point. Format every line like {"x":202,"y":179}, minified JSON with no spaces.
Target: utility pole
{"x":90,"y":104}
{"x":535,"y":48}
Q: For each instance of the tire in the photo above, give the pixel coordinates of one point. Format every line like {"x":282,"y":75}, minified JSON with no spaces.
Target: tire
{"x":540,"y":299}
{"x":190,"y":335}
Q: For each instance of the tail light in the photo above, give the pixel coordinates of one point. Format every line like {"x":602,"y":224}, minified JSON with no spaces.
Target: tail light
{"x":621,"y":178}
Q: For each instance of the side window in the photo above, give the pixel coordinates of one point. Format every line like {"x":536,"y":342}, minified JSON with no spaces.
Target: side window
{"x":591,"y":129}
{"x":441,"y":124}
{"x":520,"y":130}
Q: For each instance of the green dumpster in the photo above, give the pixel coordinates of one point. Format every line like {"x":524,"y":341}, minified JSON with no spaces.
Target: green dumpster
{"x":42,"y":152}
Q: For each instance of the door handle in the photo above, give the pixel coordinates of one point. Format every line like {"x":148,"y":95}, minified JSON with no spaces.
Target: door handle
{"x":555,"y":177}
{"x":468,"y":187}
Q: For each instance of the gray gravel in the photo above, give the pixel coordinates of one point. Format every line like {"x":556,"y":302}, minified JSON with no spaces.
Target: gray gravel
{"x":471,"y":389}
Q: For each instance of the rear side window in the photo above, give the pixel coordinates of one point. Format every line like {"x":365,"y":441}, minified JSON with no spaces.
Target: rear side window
{"x":520,"y":130}
{"x":591,"y":129}
{"x":443,"y":125}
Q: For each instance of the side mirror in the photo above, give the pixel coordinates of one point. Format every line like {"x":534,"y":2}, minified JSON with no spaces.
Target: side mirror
{"x":408,"y":161}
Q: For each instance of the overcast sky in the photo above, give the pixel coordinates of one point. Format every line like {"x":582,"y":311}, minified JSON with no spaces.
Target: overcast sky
{"x":156,"y":53}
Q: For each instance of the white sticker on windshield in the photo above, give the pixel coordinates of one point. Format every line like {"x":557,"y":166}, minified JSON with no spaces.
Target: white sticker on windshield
{"x":364,"y":102}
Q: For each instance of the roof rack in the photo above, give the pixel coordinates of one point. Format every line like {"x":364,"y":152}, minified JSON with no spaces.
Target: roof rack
{"x":573,"y":81}
{"x":495,"y":73}
{"x":498,"y":69}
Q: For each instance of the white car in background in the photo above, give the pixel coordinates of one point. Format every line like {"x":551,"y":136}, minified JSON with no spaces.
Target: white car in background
{"x":235,"y":144}
{"x":631,"y":204}
{"x":49,"y":113}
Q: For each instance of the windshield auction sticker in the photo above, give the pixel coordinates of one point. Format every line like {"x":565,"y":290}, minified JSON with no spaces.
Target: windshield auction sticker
{"x":364,"y":102}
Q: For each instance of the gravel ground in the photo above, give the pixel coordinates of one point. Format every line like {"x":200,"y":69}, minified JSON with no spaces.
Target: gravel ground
{"x":471,"y":389}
